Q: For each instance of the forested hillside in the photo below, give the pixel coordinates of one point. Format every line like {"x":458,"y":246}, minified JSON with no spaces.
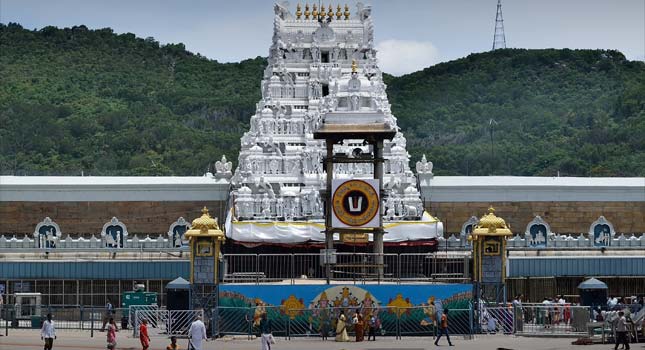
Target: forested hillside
{"x":75,"y":100}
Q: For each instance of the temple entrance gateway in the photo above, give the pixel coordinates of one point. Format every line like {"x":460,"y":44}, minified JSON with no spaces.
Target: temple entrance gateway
{"x":319,"y":72}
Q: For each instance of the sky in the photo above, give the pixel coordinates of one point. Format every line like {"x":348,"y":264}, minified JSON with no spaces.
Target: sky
{"x":409,"y":34}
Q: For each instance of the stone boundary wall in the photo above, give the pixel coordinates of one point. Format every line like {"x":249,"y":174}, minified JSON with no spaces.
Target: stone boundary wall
{"x":563,"y":217}
{"x":82,"y":218}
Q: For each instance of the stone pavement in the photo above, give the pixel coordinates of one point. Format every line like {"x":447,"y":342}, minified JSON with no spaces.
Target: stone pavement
{"x":80,"y":340}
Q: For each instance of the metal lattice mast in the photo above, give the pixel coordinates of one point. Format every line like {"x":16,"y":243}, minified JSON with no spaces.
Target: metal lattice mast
{"x":499,"y":39}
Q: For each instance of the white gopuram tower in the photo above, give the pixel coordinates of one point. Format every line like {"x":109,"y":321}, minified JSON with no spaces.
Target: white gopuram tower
{"x":321,"y":61}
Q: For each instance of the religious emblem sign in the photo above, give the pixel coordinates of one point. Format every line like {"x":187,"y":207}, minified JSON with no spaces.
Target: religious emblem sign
{"x":355,"y":203}
{"x":491,"y":247}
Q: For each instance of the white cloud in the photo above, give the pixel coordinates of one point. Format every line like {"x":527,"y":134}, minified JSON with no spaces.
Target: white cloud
{"x":398,"y":57}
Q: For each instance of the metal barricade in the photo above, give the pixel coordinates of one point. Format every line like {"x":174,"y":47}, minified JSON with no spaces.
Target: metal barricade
{"x":165,"y":322}
{"x":389,"y":321}
{"x":551,"y":319}
{"x":497,"y":319}
{"x":357,"y":267}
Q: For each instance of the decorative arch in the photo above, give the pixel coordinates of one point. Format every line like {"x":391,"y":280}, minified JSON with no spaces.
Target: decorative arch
{"x":114,"y":233}
{"x":47,"y":233}
{"x":537,"y":233}
{"x":601,"y":232}
{"x":467,"y":229}
{"x":176,"y":232}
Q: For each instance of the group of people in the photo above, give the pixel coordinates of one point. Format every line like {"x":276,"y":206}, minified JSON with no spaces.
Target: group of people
{"x":359,"y":324}
{"x":196,"y":334}
{"x":634,"y":303}
{"x":555,"y":311}
{"x":551,"y":311}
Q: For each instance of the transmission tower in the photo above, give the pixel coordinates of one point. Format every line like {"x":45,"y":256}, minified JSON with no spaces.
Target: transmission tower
{"x":499,"y":39}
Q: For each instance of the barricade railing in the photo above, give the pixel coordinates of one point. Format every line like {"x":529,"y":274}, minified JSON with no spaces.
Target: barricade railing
{"x":165,"y":323}
{"x":551,"y":319}
{"x":246,"y":320}
{"x":358,"y":267}
{"x":68,"y":317}
{"x":318,"y":322}
{"x":497,"y":319}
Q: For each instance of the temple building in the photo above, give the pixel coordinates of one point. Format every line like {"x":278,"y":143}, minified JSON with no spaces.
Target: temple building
{"x":81,"y":240}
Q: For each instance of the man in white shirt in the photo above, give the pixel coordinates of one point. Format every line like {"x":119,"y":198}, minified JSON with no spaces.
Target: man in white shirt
{"x":196,"y":334}
{"x":546,"y":312}
{"x":48,"y":332}
{"x":621,"y":331}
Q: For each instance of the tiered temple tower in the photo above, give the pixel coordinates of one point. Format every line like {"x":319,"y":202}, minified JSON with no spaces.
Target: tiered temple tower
{"x":321,"y":60}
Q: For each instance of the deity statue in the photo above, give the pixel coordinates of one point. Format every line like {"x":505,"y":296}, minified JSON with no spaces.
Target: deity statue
{"x":354,"y":102}
{"x":266,"y":206}
{"x":315,"y":54}
{"x":279,"y":207}
{"x":335,"y":53}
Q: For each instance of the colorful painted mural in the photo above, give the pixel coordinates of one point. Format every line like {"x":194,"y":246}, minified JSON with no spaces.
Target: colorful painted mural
{"x":311,"y":309}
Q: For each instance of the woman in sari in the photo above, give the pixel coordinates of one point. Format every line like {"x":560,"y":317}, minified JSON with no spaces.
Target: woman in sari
{"x":359,"y":328}
{"x":341,"y":328}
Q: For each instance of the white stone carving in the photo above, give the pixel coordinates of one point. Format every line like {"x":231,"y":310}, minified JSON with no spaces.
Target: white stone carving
{"x":541,"y":237}
{"x":467,"y":228}
{"x":224,"y":167}
{"x":114,"y":233}
{"x":50,"y":235}
{"x":175,"y":239}
{"x":424,"y":166}
{"x":606,"y":234}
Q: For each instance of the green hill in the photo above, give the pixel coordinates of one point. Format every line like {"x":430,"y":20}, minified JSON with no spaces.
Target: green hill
{"x":75,"y":100}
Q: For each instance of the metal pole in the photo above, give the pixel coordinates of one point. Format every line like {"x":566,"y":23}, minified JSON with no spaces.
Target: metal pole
{"x":398,"y":323}
{"x":92,"y":322}
{"x":398,"y":268}
{"x":293,"y":269}
{"x":378,"y":232}
{"x":470,"y":317}
{"x":6,"y":319}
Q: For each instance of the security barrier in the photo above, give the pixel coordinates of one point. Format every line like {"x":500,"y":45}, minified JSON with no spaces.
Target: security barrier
{"x":446,"y":267}
{"x":392,"y":321}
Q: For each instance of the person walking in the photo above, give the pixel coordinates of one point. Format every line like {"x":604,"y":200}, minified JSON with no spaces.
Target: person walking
{"x":108,"y":314}
{"x":143,"y":335}
{"x":111,"y":334}
{"x":341,"y":328}
{"x":266,"y":333}
{"x":196,"y":334}
{"x":622,"y":337}
{"x":359,"y":328}
{"x":173,"y":344}
{"x":373,"y":327}
{"x":444,"y":328}
{"x":48,"y":332}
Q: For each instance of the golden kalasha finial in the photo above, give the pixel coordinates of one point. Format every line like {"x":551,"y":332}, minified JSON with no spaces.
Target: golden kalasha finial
{"x":315,"y":12}
{"x":298,"y":11}
{"x":346,"y":12}
{"x":354,"y":66}
{"x":339,"y":13}
{"x":307,"y":13}
{"x":330,"y":14}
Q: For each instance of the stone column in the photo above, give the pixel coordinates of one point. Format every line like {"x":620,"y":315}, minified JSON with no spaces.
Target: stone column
{"x":329,"y":234}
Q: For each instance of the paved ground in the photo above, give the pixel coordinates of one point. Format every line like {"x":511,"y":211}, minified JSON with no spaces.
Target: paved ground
{"x":78,"y":340}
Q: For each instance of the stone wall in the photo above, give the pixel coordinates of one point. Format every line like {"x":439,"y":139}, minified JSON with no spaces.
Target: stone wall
{"x":77,"y":218}
{"x":563,"y":217}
